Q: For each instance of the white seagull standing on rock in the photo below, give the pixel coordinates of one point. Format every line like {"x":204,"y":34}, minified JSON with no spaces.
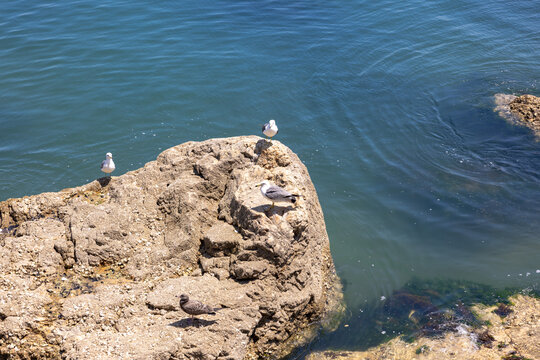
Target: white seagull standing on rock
{"x":270,"y":128}
{"x":107,"y":166}
{"x":276,"y":193}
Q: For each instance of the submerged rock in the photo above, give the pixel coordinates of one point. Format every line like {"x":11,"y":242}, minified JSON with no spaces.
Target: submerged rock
{"x":515,"y":336}
{"x":522,"y":110}
{"x":96,"y":271}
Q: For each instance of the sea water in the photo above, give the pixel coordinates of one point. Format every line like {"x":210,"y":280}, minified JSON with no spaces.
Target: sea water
{"x":388,"y":103}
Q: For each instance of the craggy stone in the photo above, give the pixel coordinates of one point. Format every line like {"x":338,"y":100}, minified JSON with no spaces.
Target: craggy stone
{"x":221,"y":239}
{"x":249,"y":269}
{"x":95,"y":272}
{"x":527,"y":108}
{"x":522,"y":110}
{"x":217,"y":266}
{"x":517,"y":335}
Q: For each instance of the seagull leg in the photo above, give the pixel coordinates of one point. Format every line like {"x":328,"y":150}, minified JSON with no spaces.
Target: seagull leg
{"x":271,"y":207}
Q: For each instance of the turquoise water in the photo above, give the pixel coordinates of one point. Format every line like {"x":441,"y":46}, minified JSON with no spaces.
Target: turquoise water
{"x":388,"y":103}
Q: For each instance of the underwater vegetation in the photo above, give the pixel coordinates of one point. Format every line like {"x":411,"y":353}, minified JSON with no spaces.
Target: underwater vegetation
{"x":432,"y":307}
{"x":421,"y":308}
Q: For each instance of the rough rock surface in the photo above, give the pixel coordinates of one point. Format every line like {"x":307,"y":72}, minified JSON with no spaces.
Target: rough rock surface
{"x":95,"y":272}
{"x":513,"y":336}
{"x":523,"y":110}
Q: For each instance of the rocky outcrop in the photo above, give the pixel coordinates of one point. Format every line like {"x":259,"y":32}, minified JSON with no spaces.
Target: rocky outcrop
{"x":527,"y":109}
{"x":95,"y":272}
{"x":510,"y":332}
{"x":522,"y":110}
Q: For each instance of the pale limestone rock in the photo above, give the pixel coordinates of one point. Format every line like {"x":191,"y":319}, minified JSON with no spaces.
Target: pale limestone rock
{"x":95,"y":272}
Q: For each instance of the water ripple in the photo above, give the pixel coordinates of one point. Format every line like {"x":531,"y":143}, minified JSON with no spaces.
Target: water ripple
{"x":390,"y":105}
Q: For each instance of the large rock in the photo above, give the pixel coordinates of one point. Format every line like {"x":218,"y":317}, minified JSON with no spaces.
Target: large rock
{"x":95,"y":272}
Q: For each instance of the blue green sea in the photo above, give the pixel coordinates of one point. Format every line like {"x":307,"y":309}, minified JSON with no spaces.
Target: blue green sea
{"x":388,"y":103}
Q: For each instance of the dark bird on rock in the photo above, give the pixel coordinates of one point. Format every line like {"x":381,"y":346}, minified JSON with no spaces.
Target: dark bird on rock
{"x":194,"y":307}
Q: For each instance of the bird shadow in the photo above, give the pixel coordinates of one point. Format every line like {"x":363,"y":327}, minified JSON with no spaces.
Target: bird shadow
{"x":104,"y":181}
{"x":187,"y":322}
{"x":262,"y":145}
{"x":265,"y":209}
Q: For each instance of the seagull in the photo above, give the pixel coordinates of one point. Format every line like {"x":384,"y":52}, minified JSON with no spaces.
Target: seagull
{"x":107,"y":166}
{"x":276,"y":193}
{"x":270,"y":128}
{"x":194,"y":307}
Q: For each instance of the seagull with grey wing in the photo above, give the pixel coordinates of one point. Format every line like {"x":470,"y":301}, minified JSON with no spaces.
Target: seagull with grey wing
{"x":194,"y":307}
{"x":107,"y":165}
{"x":276,"y":193}
{"x":270,"y":128}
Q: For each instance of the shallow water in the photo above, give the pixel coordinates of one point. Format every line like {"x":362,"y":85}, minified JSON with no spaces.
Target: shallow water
{"x":389,"y":104}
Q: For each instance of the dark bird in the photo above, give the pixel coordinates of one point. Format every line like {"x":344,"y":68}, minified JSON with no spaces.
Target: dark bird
{"x":194,"y":307}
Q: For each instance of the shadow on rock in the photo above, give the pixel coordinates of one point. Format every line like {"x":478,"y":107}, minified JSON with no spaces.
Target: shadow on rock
{"x":262,"y":145}
{"x":280,"y":210}
{"x":187,"y":322}
{"x":104,"y":181}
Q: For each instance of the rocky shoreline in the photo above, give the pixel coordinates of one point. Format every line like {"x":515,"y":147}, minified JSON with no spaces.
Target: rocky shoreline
{"x":95,"y":272}
{"x":507,"y":332}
